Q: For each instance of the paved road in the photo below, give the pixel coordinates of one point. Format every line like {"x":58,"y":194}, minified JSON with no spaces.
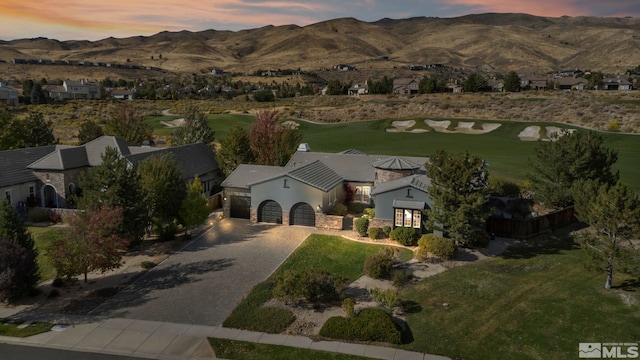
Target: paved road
{"x":16,"y":352}
{"x":203,"y":282}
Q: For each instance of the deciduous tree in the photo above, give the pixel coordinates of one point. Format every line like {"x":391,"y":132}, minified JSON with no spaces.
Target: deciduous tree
{"x":92,"y":242}
{"x":89,"y":131}
{"x":459,"y":191}
{"x":161,"y":180}
{"x":271,"y":142}
{"x":127,"y":122}
{"x":194,"y":129}
{"x":569,"y":157}
{"x":235,"y":149}
{"x":614,"y":215}
{"x":194,"y":209}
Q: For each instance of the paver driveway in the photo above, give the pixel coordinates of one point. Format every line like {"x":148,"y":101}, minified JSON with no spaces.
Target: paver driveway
{"x":203,"y":282}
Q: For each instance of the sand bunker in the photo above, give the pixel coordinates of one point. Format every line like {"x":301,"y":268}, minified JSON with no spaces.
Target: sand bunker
{"x":530,"y":133}
{"x":402,"y":126}
{"x":464,"y":127}
{"x":173,"y":123}
{"x":291,"y":124}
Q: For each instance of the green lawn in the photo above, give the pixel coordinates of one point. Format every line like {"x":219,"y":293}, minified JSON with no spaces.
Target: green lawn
{"x":501,"y":148}
{"x":42,"y":237}
{"x":242,"y":350}
{"x":535,"y":302}
{"x":337,"y":255}
{"x":11,"y":329}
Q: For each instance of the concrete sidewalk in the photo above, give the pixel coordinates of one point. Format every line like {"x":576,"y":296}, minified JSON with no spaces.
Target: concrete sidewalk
{"x":163,"y":340}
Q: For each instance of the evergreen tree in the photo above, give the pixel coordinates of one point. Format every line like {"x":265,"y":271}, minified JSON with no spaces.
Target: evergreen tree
{"x":234,"y":150}
{"x":194,"y":129}
{"x":116,"y":183}
{"x":459,"y":191}
{"x":613,"y":212}
{"x":25,"y":272}
{"x":36,"y":131}
{"x":475,"y":83}
{"x":568,"y":158}
{"x":38,"y":96}
{"x":512,"y":82}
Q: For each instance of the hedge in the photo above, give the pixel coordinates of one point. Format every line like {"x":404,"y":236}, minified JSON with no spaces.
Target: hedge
{"x":372,"y":324}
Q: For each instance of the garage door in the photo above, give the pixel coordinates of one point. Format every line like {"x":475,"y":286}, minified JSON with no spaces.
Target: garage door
{"x":303,"y":214}
{"x":270,"y":212}
{"x":240,"y":207}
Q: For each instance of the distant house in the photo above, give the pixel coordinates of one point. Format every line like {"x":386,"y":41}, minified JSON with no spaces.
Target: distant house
{"x":123,"y":94}
{"x":305,"y":190}
{"x":570,"y":73}
{"x":454,"y":88}
{"x":217,"y":72}
{"x":572,"y":84}
{"x":8,"y":95}
{"x":616,"y":84}
{"x":406,"y":86}
{"x":534,"y":83}
{"x":359,"y":89}
{"x":496,"y":85}
{"x":71,"y":89}
{"x":48,"y":175}
{"x":343,"y":67}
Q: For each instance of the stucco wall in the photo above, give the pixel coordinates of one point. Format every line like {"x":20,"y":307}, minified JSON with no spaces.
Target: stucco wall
{"x":19,"y":192}
{"x":294,"y":192}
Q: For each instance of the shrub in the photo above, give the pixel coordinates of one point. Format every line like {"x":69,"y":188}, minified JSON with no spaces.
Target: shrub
{"x":401,"y":277}
{"x":369,"y":212}
{"x":373,"y":324}
{"x":356,"y":208}
{"x":57,"y":282}
{"x":380,"y":265}
{"x":613,"y":126}
{"x":438,"y":246}
{"x":404,"y":235}
{"x":386,"y":230}
{"x":38,"y":215}
{"x":147,"y":264}
{"x":388,"y":298}
{"x":340,"y":210}
{"x":53,"y":294}
{"x":374,"y":233}
{"x":314,"y":286}
{"x":348,"y":305}
{"x":361,"y":226}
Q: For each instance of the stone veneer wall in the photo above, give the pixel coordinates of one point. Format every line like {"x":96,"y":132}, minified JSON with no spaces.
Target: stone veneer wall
{"x":331,"y":222}
{"x":383,"y":176}
{"x":380,"y":223}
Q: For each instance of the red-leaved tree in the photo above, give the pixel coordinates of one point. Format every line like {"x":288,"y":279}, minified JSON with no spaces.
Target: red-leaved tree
{"x":91,"y":242}
{"x":271,"y":142}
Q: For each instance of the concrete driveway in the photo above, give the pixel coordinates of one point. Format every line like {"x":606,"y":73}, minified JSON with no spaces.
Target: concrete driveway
{"x":204,"y":281}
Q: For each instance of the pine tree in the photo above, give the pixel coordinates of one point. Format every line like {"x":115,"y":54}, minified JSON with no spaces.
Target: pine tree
{"x":194,"y":129}
{"x":194,"y":209}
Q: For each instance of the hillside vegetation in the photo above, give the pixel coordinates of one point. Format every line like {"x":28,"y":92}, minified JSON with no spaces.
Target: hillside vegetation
{"x":501,"y":42}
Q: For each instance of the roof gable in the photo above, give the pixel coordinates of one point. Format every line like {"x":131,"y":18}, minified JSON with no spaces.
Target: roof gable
{"x":62,"y":159}
{"x":14,"y":164}
{"x":418,"y":182}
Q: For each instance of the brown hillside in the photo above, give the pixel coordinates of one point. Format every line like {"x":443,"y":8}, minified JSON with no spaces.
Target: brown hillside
{"x":487,"y":41}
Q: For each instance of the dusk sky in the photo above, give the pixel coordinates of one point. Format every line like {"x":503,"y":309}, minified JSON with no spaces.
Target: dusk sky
{"x":93,"y":20}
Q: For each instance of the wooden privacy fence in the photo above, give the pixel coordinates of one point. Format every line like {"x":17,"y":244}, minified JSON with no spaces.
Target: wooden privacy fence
{"x":524,"y":229}
{"x":215,"y":201}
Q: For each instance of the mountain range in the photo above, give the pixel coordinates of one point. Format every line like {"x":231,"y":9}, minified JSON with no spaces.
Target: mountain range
{"x":488,"y":42}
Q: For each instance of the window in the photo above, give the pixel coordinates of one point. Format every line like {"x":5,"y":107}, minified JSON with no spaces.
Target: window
{"x":408,"y":218}
{"x":399,"y":217}
{"x":32,"y":190}
{"x":7,"y":195}
{"x":417,"y":216}
{"x":366,"y":191}
{"x":362,"y":194}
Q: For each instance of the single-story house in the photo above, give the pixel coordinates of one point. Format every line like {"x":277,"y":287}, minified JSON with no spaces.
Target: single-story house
{"x":312,"y":183}
{"x":123,"y":94}
{"x":8,"y":95}
{"x":571,"y":83}
{"x":616,"y":84}
{"x":47,"y":175}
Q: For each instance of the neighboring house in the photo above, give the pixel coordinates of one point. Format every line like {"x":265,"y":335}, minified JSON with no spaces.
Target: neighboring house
{"x":8,"y":95}
{"x":71,"y":89}
{"x":570,"y":83}
{"x":533,"y":83}
{"x":359,"y":89}
{"x":496,"y":85}
{"x":616,"y":84}
{"x":406,"y":86}
{"x":454,"y":88}
{"x":570,"y":73}
{"x":305,"y":190}
{"x":123,"y":94}
{"x":51,"y":173}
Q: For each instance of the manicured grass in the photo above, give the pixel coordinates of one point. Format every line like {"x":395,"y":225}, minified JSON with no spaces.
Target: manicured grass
{"x":43,"y":236}
{"x":501,"y":148}
{"x":11,"y":329}
{"x":337,"y":255}
{"x":241,"y":350}
{"x":534,"y":302}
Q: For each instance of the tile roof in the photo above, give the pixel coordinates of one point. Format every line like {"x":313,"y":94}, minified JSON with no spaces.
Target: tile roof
{"x":13,"y":164}
{"x":351,"y":167}
{"x":95,"y":148}
{"x":245,"y":174}
{"x":352,"y":151}
{"x":418,"y":181}
{"x":62,"y":159}
{"x":395,"y":163}
{"x":317,"y":175}
{"x":409,"y":204}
